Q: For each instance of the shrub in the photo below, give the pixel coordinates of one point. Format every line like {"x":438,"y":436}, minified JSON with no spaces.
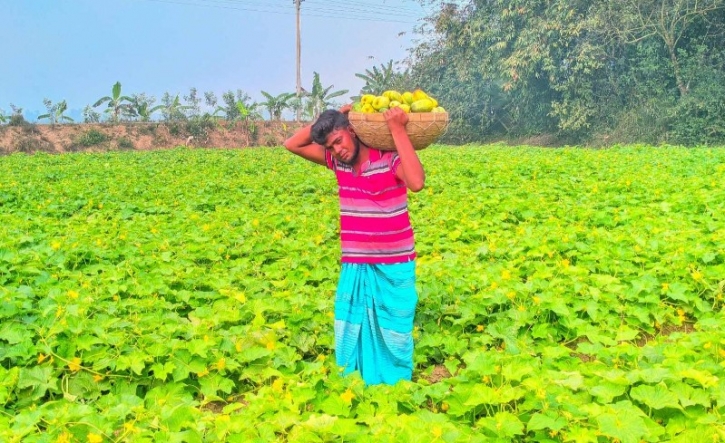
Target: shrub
{"x":124,"y":143}
{"x":92,"y":137}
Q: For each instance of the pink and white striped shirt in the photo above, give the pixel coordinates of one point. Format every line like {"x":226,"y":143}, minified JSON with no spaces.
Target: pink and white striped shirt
{"x":374,"y":222}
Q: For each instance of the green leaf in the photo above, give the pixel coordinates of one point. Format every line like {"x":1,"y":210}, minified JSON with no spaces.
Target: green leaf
{"x":626,"y":428}
{"x":503,"y":424}
{"x":690,"y":396}
{"x":39,"y":378}
{"x":215,"y":383}
{"x":657,"y":397}
{"x":541,"y":421}
{"x":606,"y":391}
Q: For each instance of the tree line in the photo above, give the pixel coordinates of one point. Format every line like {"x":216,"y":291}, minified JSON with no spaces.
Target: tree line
{"x":610,"y":71}
{"x":234,"y":105}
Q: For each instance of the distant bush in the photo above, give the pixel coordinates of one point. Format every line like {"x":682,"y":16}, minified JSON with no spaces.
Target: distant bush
{"x":92,"y":137}
{"x":124,"y":143}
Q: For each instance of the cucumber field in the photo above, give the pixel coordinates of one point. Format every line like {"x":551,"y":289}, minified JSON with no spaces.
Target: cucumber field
{"x":186,"y":295}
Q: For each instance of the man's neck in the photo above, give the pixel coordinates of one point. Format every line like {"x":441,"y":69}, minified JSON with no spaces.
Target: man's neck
{"x":362,"y":157}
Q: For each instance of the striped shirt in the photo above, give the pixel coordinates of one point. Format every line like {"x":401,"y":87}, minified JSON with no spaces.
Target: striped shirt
{"x":374,"y":222}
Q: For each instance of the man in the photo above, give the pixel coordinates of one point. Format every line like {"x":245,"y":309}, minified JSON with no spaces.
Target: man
{"x":376,"y":296}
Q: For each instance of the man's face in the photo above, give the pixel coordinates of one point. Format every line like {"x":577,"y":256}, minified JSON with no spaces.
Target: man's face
{"x":343,"y":145}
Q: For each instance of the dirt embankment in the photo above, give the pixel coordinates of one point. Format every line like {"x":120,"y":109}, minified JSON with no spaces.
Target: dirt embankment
{"x":31,"y":138}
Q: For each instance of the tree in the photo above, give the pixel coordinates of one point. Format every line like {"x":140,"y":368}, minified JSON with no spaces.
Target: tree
{"x":90,"y":115}
{"x":320,"y":98}
{"x":275,"y":105}
{"x":230,"y":109}
{"x":56,"y":112}
{"x":143,"y":107}
{"x":172,"y":109}
{"x":386,"y":78}
{"x":118,"y":104}
{"x":669,"y":21}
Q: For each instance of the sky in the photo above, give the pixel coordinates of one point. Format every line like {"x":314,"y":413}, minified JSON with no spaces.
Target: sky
{"x":75,"y":50}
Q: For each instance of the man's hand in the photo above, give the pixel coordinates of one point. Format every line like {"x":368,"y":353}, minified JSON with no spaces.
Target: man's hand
{"x":346,"y":109}
{"x":396,"y":118}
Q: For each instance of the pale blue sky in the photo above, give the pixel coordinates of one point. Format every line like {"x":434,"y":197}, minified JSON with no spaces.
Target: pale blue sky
{"x":77,"y":49}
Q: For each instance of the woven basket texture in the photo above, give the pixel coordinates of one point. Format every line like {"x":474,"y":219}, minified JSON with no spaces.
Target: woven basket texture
{"x":423,"y":129}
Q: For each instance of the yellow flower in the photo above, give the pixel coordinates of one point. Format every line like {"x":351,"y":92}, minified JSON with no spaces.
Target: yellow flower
{"x":697,"y":275}
{"x":55,"y":245}
{"x":479,"y":328}
{"x":536,"y":299}
{"x":506,"y":274}
{"x":277,"y":385}
{"x":221,"y":364}
{"x":63,"y":438}
{"x":41,"y":358}
{"x":202,"y":373}
{"x":75,"y":364}
{"x":494,"y":285}
{"x":707,"y":345}
{"x":565,"y":263}
{"x":97,"y":378}
{"x":73,"y":294}
{"x":665,"y":287}
{"x":94,"y":438}
{"x":271,"y":345}
{"x":437,"y":431}
{"x":347,"y":396}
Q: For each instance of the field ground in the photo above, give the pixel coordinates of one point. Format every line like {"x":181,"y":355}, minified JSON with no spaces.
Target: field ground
{"x":186,"y":295}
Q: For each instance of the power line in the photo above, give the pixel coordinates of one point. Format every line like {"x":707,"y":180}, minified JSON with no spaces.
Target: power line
{"x":377,"y":6}
{"x":337,"y":16}
{"x":323,"y":10}
{"x":326,"y":9}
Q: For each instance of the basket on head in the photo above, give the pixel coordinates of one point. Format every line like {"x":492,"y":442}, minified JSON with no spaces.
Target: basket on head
{"x":423,"y":129}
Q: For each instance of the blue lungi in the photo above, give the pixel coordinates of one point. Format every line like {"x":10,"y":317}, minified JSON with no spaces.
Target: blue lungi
{"x":374,"y":311}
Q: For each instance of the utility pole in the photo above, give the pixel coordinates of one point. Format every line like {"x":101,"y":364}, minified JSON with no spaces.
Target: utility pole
{"x":298,"y":4}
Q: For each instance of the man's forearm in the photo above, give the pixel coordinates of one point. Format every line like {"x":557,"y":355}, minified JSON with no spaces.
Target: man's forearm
{"x":299,"y":140}
{"x":409,"y":161}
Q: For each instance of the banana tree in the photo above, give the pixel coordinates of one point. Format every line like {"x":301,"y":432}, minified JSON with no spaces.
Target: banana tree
{"x":378,"y":80}
{"x":142,"y":107}
{"x":172,"y":109}
{"x":117,"y":104}
{"x":320,"y":97}
{"x":56,"y":112}
{"x":275,"y":105}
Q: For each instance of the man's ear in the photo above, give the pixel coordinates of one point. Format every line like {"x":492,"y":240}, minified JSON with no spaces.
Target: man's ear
{"x":352,"y":131}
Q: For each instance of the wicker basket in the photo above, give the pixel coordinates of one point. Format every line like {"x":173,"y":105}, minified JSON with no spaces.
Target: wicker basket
{"x":423,"y":128}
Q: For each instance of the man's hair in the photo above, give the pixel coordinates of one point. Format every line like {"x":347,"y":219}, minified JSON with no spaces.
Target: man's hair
{"x":329,"y":121}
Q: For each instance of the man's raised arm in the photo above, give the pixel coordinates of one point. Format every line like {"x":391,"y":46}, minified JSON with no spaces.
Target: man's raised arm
{"x":301,"y":144}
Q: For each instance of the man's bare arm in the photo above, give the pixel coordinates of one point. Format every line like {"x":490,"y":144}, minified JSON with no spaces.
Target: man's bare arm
{"x":301,"y":144}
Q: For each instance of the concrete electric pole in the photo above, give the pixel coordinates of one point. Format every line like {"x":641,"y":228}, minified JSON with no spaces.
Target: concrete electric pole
{"x":298,"y":4}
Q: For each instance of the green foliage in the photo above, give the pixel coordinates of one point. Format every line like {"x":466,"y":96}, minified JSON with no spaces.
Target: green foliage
{"x":575,"y":68}
{"x":118,"y":105}
{"x":124,"y":143}
{"x":56,"y":112}
{"x":171,"y":108}
{"x":576,"y":295}
{"x":320,"y":97}
{"x":199,"y":126}
{"x":91,"y":137}
{"x":386,"y":78}
{"x":142,"y":106}
{"x":276,"y":105}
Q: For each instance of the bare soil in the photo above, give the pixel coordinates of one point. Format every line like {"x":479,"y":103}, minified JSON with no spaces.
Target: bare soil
{"x":99,"y":137}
